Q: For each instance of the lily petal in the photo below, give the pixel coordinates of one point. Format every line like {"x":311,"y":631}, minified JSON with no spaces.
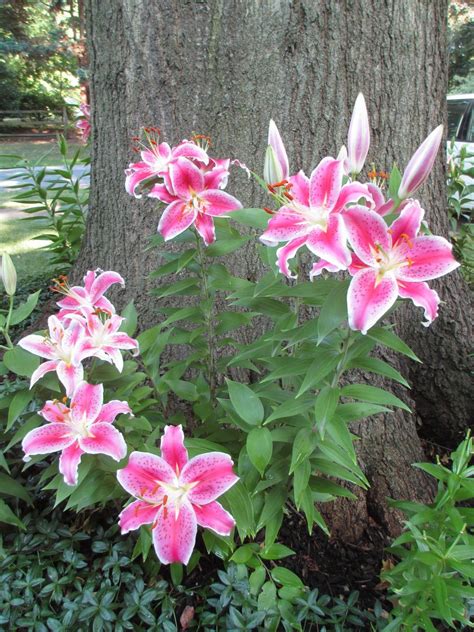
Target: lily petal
{"x":69,"y":463}
{"x":38,"y":346}
{"x":408,"y":223}
{"x":331,"y":245}
{"x":174,"y":536}
{"x":368,"y":300}
{"x":421,"y":163}
{"x":105,"y":439}
{"x":102,"y":283}
{"x":367,"y":231}
{"x":321,"y":265}
{"x":213,"y":475}
{"x":48,"y":438}
{"x":176,"y":218}
{"x":219,"y":202}
{"x":70,"y":376}
{"x":137,"y":514}
{"x":422,"y":296}
{"x":54,"y":411}
{"x":142,"y":475}
{"x":172,"y":447}
{"x":275,"y":141}
{"x":45,"y":367}
{"x":352,"y":193}
{"x":109,"y":411}
{"x":325,"y":183}
{"x":429,"y":257}
{"x":186,"y":178}
{"x":358,"y":139}
{"x":285,"y":225}
{"x":87,"y":401}
{"x":213,"y":516}
{"x":205,"y":227}
{"x":300,"y":188}
{"x":286,"y":253}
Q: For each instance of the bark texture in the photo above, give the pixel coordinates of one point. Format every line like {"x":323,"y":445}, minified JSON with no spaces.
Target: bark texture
{"x":224,"y":67}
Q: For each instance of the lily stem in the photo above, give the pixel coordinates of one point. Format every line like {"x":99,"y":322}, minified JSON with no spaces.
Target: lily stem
{"x":208,"y":312}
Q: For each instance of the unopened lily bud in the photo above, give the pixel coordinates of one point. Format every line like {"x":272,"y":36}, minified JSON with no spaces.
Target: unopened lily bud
{"x":358,"y":139}
{"x":272,"y":171}
{"x":342,"y":156}
{"x":8,"y":274}
{"x":420,"y":165}
{"x":276,"y":157}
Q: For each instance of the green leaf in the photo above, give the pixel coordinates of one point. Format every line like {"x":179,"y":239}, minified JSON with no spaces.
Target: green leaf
{"x":394,"y":182}
{"x":374,"y":365}
{"x":246,"y":403}
{"x":303,"y":447}
{"x":244,"y":553}
{"x":240,"y":506}
{"x":300,"y":481}
{"x":333,"y":312}
{"x":286,"y":577}
{"x":24,"y":309}
{"x":129,"y":325}
{"x":291,"y":408}
{"x":20,"y":401}
{"x":7,"y":516}
{"x":254,"y":217}
{"x":267,"y":597}
{"x":21,"y":362}
{"x":175,"y":265}
{"x":326,"y":360}
{"x":185,"y":287}
{"x":392,"y":341}
{"x":225,"y":246}
{"x":176,"y":572}
{"x":352,"y":412}
{"x":325,"y":406}
{"x":256,"y":580}
{"x":10,"y":487}
{"x":259,"y":448}
{"x":373,"y":394}
{"x":184,"y":390}
{"x":276,"y":552}
{"x":274,"y":502}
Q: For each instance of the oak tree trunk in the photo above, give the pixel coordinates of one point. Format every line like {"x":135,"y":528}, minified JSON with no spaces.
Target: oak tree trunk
{"x":223,"y":68}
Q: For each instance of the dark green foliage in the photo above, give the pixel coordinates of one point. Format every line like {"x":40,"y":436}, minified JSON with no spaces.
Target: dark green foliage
{"x":460,"y":46}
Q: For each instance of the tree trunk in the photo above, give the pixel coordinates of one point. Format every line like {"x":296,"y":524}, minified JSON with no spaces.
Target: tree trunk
{"x":223,"y":68}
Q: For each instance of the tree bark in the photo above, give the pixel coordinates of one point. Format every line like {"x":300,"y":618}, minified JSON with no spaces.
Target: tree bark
{"x":223,"y":68}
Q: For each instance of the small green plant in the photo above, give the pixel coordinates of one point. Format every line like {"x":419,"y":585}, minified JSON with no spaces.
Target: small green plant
{"x":460,"y":207}
{"x":431,"y":583}
{"x":56,"y":199}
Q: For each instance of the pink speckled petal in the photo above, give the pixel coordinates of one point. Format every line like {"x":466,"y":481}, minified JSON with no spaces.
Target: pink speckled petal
{"x":38,"y":346}
{"x":70,"y":376}
{"x":331,"y":245}
{"x":54,"y":411}
{"x":102,"y":284}
{"x":422,"y":296}
{"x":137,"y":514}
{"x":105,"y":439}
{"x":213,"y":474}
{"x":367,"y":300}
{"x":87,"y":401}
{"x":186,"y":178}
{"x":69,"y":463}
{"x":408,"y":223}
{"x":285,"y":225}
{"x":219,"y":202}
{"x":366,"y":231}
{"x":352,"y":193}
{"x":48,"y":438}
{"x":176,"y":218}
{"x":428,"y":258}
{"x":174,"y":535}
{"x":286,"y":253}
{"x":142,"y":475}
{"x":109,"y":411}
{"x":300,"y":188}
{"x":213,"y":516}
{"x":44,"y":368}
{"x":321,"y":265}
{"x":172,"y":447}
{"x":325,"y":183}
{"x":205,"y":227}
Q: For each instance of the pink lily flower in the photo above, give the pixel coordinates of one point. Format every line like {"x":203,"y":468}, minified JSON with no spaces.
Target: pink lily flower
{"x":313,"y":217}
{"x":83,"y":300}
{"x":104,"y":340}
{"x":420,"y":165}
{"x":64,"y":349}
{"x":276,"y":167}
{"x":84,"y":122}
{"x":175,"y":495}
{"x":358,"y":140}
{"x":392,"y":262}
{"x":83,"y":427}
{"x":156,"y":161}
{"x":193,"y":202}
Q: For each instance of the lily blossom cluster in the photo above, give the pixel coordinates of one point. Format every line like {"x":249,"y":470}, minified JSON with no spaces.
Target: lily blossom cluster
{"x":186,"y":179}
{"x":175,"y":495}
{"x":83,"y":123}
{"x":85,"y":327}
{"x":341,"y":221}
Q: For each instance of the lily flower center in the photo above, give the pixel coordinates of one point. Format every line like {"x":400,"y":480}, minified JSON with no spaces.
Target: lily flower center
{"x":79,"y":427}
{"x":388,"y":261}
{"x":313,"y":215}
{"x":196,"y":203}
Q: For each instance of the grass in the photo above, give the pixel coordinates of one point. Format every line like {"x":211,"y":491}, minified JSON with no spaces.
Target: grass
{"x":46,"y":152}
{"x":19,"y":237}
